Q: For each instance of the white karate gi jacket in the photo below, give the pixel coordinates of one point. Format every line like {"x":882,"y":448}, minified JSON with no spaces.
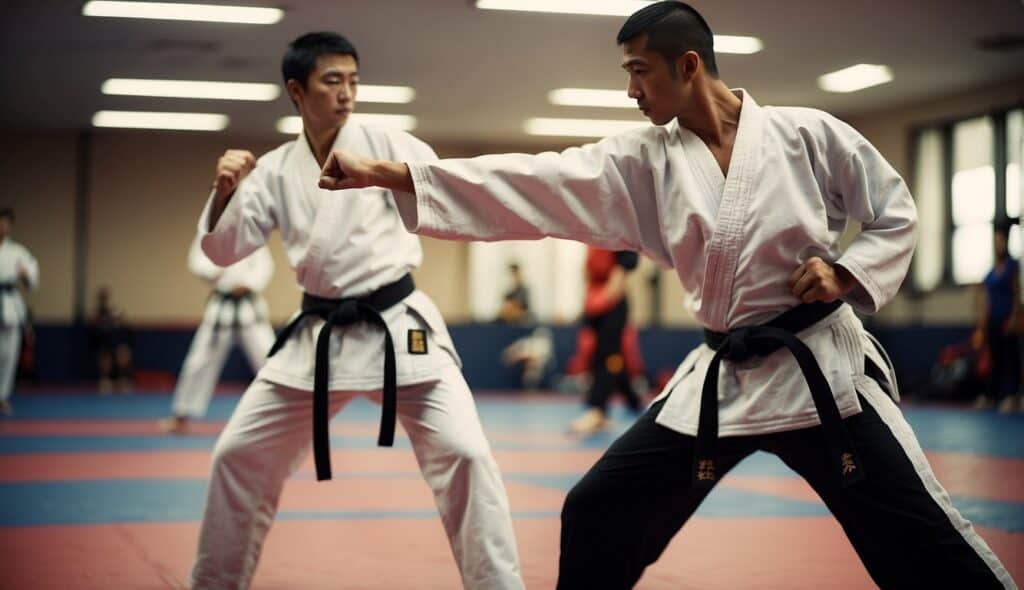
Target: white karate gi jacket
{"x":252,"y":272}
{"x":340,"y":245}
{"x":15,"y":259}
{"x":796,"y":176}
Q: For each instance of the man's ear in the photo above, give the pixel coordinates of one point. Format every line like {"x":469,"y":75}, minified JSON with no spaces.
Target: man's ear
{"x":687,"y":65}
{"x":295,"y":91}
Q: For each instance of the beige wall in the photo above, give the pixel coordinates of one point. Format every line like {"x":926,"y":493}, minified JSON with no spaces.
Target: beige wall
{"x":147,"y":189}
{"x":37,"y":171}
{"x":146,"y":194}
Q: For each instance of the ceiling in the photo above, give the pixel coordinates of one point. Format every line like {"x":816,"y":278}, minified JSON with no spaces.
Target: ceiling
{"x":479,"y":74}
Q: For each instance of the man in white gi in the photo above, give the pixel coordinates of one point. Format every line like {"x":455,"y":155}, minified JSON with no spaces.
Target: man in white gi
{"x":235,"y":311}
{"x":18,"y":270}
{"x":361,"y":317}
{"x":747,"y":204}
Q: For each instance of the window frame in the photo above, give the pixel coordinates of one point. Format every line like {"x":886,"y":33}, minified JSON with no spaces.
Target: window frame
{"x":944,"y":126}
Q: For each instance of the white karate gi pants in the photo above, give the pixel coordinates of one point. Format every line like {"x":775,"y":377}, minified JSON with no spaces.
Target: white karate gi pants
{"x":10,"y":345}
{"x":269,"y":436}
{"x":205,"y":361}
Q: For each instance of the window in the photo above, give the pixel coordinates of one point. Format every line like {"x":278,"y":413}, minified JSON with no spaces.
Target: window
{"x":1014,"y":190}
{"x":930,"y":257}
{"x":966,"y":180}
{"x":552,"y":270}
{"x":974,"y":200}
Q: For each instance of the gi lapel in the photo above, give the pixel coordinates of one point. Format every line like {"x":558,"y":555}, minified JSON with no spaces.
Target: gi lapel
{"x":727,"y":239}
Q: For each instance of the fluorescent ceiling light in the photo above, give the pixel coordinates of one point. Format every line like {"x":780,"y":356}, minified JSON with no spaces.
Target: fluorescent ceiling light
{"x":737,"y":44}
{"x":385,"y":94}
{"x":580,"y":127}
{"x":237,"y":90}
{"x":591,"y":97}
{"x":249,"y":15}
{"x":597,"y":7}
{"x":855,"y":78}
{"x":293,"y":124}
{"x":723,"y":43}
{"x":191,"y":89}
{"x":158,"y":120}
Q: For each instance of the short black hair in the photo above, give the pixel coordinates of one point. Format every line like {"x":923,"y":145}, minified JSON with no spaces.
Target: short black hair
{"x":300,"y":58}
{"x":7,"y":212}
{"x":672,"y":29}
{"x":1004,"y":226}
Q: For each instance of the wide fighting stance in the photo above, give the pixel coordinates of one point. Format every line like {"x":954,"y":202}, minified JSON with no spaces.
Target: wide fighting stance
{"x":747,"y":203}
{"x":235,"y":311}
{"x":364,"y":330}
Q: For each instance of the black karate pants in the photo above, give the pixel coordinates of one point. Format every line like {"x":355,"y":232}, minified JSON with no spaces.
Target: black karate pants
{"x":620,"y":517}
{"x":609,"y":329}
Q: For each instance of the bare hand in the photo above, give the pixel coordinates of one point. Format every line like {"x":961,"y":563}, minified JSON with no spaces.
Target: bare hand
{"x":232,"y":167}
{"x":344,"y":170}
{"x":817,"y":280}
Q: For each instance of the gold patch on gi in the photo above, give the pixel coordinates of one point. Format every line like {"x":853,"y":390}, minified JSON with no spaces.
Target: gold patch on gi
{"x":417,"y":342}
{"x":848,"y":464}
{"x":706,"y":470}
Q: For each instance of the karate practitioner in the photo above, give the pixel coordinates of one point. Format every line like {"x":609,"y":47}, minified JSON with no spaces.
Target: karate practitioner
{"x":352,"y":258}
{"x":18,"y":270}
{"x":606,"y":345}
{"x":235,"y":311}
{"x":747,"y":204}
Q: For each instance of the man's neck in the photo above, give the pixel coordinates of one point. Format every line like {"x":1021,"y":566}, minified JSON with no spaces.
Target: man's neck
{"x":321,"y":141}
{"x":715,"y":115}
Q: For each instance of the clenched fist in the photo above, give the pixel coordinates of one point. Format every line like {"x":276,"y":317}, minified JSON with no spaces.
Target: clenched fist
{"x":817,"y":280}
{"x":344,"y":170}
{"x":232,"y":167}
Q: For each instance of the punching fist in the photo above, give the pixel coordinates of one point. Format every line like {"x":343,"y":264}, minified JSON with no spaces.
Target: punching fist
{"x":817,"y":280}
{"x":344,"y":170}
{"x":232,"y":167}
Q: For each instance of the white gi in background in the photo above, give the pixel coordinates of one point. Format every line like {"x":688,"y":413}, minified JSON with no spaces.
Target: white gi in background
{"x":224,"y":321}
{"x":346,"y":246}
{"x":795,"y":177}
{"x":16,"y":265}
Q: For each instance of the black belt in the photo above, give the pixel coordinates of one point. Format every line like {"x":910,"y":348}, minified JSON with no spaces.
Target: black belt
{"x":234,"y":301}
{"x":744,"y":343}
{"x":345,"y":312}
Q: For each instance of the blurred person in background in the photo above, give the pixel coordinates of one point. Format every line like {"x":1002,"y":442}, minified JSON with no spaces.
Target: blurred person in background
{"x":606,"y":344}
{"x":19,"y":272}
{"x":235,"y":313}
{"x":998,"y":326}
{"x":111,"y":339}
{"x":515,"y":306}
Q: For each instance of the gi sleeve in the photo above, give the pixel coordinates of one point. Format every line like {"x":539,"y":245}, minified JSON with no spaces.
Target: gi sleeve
{"x":873,"y":193}
{"x":603,"y":194}
{"x":199,"y":264}
{"x":246,"y":223}
{"x":262,"y":270}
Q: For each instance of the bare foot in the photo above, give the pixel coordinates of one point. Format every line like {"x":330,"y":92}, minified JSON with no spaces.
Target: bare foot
{"x":172,"y":425}
{"x":591,"y":422}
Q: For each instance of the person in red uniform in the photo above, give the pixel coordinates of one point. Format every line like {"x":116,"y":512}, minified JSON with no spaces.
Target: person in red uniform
{"x":607,"y":344}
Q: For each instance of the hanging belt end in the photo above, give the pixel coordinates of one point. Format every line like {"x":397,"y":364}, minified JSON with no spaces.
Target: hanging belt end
{"x":323,"y":472}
